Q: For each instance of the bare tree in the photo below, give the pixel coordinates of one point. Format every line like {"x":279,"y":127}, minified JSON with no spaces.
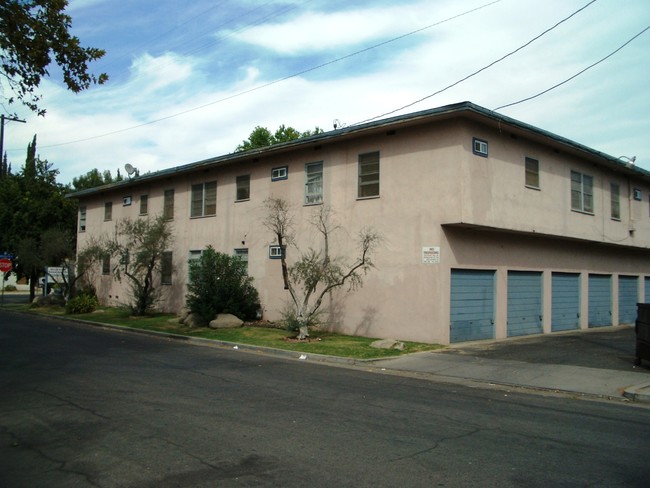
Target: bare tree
{"x":138,"y":246}
{"x":315,"y":273}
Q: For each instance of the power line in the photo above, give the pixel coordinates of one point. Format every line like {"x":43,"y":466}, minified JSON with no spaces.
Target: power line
{"x":574,"y":76}
{"x":274,"y":82}
{"x":479,"y":70}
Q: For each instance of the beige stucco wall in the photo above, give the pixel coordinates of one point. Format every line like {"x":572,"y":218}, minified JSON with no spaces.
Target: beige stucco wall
{"x":430,"y":183}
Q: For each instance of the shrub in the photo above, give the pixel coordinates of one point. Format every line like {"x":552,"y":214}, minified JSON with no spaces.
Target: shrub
{"x":82,"y":304}
{"x":219,"y":283}
{"x":10,"y":288}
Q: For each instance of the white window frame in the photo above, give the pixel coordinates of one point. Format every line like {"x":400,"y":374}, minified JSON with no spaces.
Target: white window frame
{"x":275,"y":252}
{"x":480,"y":147}
{"x":531,"y":167}
{"x":280,"y":173}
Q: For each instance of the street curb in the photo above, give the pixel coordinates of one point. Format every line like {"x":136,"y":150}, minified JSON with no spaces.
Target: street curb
{"x":638,"y":393}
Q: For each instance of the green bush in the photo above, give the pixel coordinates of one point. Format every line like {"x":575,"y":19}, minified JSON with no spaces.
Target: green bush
{"x":219,"y":283}
{"x":82,"y":304}
{"x":10,"y":288}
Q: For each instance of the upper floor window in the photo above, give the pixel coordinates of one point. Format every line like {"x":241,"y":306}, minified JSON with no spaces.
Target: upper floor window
{"x":108,"y":211}
{"x":281,"y":173}
{"x":368,"y":175}
{"x":615,"y":194}
{"x":480,"y":147}
{"x":168,"y":205}
{"x":166,"y":268}
{"x":314,"y":183}
{"x":243,"y":187}
{"x":582,"y":192}
{"x":204,"y":199}
{"x":144,"y":204}
{"x":532,"y":173}
{"x":82,"y":219}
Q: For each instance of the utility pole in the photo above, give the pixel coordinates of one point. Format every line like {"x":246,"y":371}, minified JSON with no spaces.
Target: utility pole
{"x":2,"y":132}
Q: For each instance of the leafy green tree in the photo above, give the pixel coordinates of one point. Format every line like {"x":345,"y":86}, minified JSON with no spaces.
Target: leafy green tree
{"x":38,"y":222}
{"x":219,"y":283}
{"x":94,"y":178}
{"x":138,"y":246}
{"x":262,"y":137}
{"x":33,"y":33}
{"x":315,"y":273}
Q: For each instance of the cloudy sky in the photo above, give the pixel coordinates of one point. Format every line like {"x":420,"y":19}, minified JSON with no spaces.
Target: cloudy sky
{"x":190,"y":80}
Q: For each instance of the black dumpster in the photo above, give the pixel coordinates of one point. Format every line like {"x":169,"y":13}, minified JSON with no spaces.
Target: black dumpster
{"x":642,"y":329}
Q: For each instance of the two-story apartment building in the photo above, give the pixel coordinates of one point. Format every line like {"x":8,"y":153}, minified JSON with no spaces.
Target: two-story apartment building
{"x":492,"y":228}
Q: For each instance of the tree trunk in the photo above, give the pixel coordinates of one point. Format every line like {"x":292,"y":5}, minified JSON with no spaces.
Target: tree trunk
{"x":303,"y":332}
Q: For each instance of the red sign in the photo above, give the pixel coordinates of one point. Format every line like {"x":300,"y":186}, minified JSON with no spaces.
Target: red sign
{"x":5,"y":265}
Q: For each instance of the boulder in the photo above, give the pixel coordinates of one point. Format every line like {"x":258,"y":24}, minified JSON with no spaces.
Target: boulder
{"x":194,"y":320}
{"x":182,"y":315}
{"x":388,"y":344}
{"x":226,"y":321}
{"x":51,"y":299}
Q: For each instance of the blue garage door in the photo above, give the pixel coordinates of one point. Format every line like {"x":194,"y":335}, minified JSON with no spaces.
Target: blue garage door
{"x":628,"y":297}
{"x":524,"y":303}
{"x":472,"y":305}
{"x":600,"y":300}
{"x":565,"y":301}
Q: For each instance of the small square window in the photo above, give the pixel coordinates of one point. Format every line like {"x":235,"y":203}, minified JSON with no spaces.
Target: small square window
{"x":480,"y":147}
{"x":281,"y":173}
{"x":638,"y":195}
{"x":126,"y":201}
{"x":275,"y":252}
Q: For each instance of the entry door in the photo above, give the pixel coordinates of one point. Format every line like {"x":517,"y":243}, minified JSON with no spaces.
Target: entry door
{"x":600,"y":300}
{"x":565,"y":301}
{"x":524,"y":303}
{"x":628,"y":297}
{"x":472,"y":305}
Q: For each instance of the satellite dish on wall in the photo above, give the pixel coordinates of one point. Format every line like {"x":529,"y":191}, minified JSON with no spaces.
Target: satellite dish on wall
{"x":129,"y":169}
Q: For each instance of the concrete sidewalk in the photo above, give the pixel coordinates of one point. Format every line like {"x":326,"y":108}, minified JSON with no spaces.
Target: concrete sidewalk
{"x":579,"y":380}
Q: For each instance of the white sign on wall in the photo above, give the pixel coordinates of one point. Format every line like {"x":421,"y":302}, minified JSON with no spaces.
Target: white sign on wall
{"x":431,"y":255}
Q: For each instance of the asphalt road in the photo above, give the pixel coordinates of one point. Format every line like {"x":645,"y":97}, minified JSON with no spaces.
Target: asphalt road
{"x":82,"y":406}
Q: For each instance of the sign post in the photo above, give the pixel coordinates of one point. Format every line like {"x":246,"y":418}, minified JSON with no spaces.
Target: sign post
{"x":5,"y":267}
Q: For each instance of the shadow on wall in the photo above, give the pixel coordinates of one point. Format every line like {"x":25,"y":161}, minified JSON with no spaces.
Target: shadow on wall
{"x":365,"y":325}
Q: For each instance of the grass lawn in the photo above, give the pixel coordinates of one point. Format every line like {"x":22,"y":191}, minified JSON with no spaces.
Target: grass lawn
{"x":321,"y":342}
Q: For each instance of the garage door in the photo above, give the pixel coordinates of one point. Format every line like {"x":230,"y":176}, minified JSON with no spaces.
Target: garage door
{"x":628,"y":297}
{"x":600,"y":300}
{"x":524,"y":303}
{"x":565,"y":301}
{"x":472,"y":305}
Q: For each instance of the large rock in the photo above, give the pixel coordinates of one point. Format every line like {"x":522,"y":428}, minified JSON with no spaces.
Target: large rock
{"x":388,"y":344}
{"x":182,"y":315}
{"x":51,"y":299}
{"x":226,"y":321}
{"x":194,"y":320}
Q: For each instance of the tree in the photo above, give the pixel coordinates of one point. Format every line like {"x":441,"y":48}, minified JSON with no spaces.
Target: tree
{"x":33,"y":33}
{"x":139,"y":245}
{"x":38,"y":222}
{"x":94,"y":178}
{"x":315,"y":273}
{"x":262,"y":137}
{"x":219,"y":283}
